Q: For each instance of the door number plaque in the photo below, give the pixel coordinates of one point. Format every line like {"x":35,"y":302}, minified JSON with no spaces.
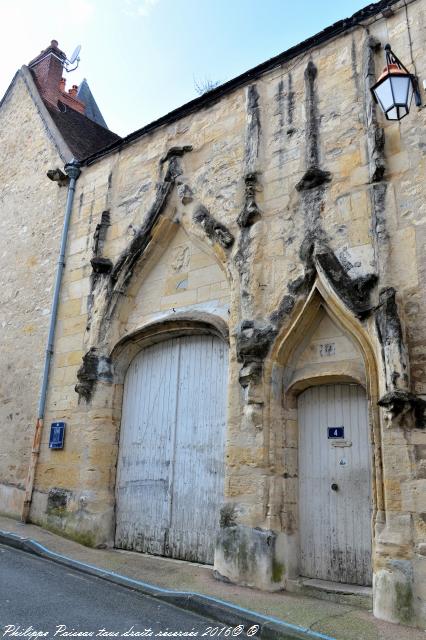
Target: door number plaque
{"x":336,"y":432}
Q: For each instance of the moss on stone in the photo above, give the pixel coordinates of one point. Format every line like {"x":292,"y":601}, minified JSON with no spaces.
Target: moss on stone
{"x":227,"y":541}
{"x":277,"y":570}
{"x":59,"y":512}
{"x":11,"y":516}
{"x":243,"y":556}
{"x":85,"y":538}
{"x":404,"y":602}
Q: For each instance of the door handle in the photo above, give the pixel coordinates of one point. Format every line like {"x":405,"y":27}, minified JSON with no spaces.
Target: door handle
{"x":334,"y":487}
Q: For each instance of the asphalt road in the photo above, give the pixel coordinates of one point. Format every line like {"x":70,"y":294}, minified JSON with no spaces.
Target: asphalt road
{"x":41,"y":599}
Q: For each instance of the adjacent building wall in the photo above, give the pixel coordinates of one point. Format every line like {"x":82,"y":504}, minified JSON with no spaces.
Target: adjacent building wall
{"x":31,"y":212}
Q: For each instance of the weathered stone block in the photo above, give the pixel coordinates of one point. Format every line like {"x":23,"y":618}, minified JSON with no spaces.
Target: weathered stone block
{"x":252,"y":557}
{"x":393,"y":593}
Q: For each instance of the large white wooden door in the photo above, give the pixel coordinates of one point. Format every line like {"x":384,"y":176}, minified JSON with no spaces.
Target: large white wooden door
{"x":171,"y":459}
{"x":334,"y":484}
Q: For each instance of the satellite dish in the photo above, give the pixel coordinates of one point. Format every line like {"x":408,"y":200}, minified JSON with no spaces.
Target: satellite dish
{"x":74,"y":56}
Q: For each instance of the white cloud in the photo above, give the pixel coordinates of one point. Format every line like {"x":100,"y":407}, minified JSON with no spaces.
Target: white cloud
{"x":140,"y":7}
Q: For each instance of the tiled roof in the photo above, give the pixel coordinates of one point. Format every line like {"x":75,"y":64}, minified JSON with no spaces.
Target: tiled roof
{"x":82,"y":135}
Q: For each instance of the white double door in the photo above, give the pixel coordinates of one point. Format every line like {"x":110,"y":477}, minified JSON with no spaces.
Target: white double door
{"x":334,"y":484}
{"x":171,"y":458}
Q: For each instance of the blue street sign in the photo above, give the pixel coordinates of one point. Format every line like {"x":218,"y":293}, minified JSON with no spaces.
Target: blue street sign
{"x":57,"y":434}
{"x":336,"y":432}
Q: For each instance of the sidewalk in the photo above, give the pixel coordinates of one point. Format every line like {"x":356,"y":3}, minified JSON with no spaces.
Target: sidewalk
{"x":338,"y":621}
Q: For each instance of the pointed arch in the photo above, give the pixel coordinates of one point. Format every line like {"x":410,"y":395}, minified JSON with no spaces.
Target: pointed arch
{"x":115,"y":293}
{"x":284,"y":389}
{"x":323,"y":294}
{"x":181,"y":275}
{"x":116,"y":289}
{"x":163,"y":236}
{"x":161,"y":221}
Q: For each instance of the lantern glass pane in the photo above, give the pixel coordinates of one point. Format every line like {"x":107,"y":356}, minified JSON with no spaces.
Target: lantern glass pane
{"x":396,"y":113}
{"x":392,"y":114}
{"x":401,"y":86}
{"x":384,"y":94}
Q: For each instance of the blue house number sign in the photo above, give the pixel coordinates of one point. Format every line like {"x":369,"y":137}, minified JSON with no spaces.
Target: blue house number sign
{"x":336,"y":432}
{"x":57,"y":434}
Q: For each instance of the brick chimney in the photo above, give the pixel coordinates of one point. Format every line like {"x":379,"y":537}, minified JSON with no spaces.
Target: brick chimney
{"x":47,"y":69}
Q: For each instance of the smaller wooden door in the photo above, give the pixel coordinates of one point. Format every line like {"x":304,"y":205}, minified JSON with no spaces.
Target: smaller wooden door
{"x":334,"y":484}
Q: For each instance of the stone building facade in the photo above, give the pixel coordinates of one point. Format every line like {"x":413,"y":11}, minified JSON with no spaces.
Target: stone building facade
{"x":35,"y":137}
{"x":270,"y":234}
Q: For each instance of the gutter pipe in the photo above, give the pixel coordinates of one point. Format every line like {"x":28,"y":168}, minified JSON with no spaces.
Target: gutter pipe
{"x":72,"y":169}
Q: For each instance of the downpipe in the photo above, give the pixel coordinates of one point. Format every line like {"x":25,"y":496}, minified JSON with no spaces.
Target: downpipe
{"x":72,"y":169}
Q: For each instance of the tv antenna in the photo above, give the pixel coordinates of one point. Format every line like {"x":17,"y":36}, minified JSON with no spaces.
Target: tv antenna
{"x":74,"y":59}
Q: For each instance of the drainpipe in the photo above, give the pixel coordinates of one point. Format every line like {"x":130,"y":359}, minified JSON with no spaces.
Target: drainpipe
{"x":72,"y":169}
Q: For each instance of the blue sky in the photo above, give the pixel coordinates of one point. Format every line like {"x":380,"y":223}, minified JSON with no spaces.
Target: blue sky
{"x":141,"y":57}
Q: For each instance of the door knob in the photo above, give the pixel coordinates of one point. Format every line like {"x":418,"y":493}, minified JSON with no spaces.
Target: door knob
{"x":335,"y":487}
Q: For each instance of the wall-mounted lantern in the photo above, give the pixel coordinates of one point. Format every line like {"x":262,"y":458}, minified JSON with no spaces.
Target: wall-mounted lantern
{"x":394,"y":89}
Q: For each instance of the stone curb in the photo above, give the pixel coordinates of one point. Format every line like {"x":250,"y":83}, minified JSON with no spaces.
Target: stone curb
{"x":223,"y":612}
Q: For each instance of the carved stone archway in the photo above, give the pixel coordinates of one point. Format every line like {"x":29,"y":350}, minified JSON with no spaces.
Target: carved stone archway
{"x":287,"y":384}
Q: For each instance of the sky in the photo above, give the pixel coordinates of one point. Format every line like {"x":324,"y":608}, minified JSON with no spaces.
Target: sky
{"x":143,"y":58}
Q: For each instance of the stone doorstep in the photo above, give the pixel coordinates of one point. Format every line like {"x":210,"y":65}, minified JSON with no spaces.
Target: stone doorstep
{"x":350,"y":594}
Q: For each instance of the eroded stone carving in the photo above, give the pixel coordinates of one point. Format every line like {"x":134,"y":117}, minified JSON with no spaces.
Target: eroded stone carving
{"x":253,"y":340}
{"x":251,"y":211}
{"x":313,"y":177}
{"x":99,"y":236}
{"x":376,"y":159}
{"x":175,"y":152}
{"x":253,"y":129}
{"x":185,"y":193}
{"x":355,"y":293}
{"x":375,"y":133}
{"x":101,"y":265}
{"x":389,"y":331}
{"x":181,"y":259}
{"x":404,"y":408}
{"x":313,"y":183}
{"x":57,"y":175}
{"x":216,"y":231}
{"x":94,"y":367}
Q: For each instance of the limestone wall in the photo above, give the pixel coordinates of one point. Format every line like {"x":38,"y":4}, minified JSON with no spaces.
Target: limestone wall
{"x":283,"y":196}
{"x":31,"y":213}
